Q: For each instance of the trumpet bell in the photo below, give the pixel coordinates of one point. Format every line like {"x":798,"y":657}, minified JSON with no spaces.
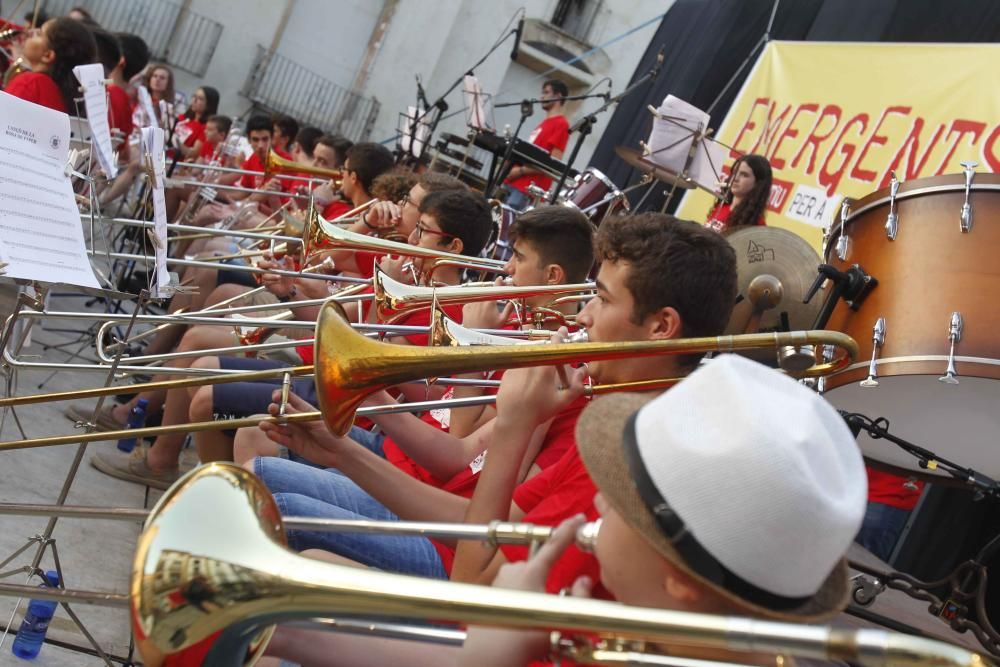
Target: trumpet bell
{"x":187,"y":572}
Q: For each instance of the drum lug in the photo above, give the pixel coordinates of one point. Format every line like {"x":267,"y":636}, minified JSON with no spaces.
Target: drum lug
{"x":845,"y":207}
{"x":892,"y":221}
{"x":954,"y":336}
{"x":966,"y":216}
{"x":878,"y":340}
{"x":826,"y":353}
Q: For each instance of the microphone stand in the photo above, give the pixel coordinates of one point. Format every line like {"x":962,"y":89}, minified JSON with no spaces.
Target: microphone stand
{"x":586,"y":124}
{"x":440,"y":102}
{"x":499,"y":174}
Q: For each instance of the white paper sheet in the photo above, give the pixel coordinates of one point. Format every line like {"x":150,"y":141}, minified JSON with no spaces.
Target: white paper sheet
{"x":152,"y":153}
{"x":478,"y":104}
{"x":41,"y":237}
{"x":146,"y":104}
{"x":670,"y":141}
{"x":95,"y":98}
{"x":414,"y":115}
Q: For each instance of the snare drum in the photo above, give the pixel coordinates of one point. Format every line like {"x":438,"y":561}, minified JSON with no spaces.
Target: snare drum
{"x":595,"y":195}
{"x":934,"y":315}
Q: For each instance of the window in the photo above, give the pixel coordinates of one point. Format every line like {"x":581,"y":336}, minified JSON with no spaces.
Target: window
{"x":575,"y":17}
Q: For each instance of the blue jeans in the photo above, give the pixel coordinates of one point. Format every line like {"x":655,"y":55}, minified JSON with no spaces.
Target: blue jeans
{"x":370,"y":440}
{"x":301,"y":490}
{"x":881,"y":528}
{"x":516,"y":199}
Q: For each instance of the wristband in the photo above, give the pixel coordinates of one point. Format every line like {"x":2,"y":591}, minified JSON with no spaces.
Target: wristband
{"x":292,"y":293}
{"x":364,"y":219}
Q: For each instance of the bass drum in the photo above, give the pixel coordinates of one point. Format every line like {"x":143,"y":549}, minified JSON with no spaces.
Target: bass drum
{"x":937,"y":293}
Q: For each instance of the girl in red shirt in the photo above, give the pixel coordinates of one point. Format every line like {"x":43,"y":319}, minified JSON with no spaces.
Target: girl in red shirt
{"x":190,"y":131}
{"x":744,"y":198}
{"x":52,"y":52}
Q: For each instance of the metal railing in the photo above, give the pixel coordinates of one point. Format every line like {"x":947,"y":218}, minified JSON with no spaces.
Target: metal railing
{"x":278,"y":84}
{"x":175,"y":35}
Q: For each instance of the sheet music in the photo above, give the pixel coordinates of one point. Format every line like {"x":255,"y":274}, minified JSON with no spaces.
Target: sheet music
{"x":41,"y":237}
{"x":152,"y":152}
{"x":146,"y":102}
{"x":95,"y":99}
{"x":477,"y":102}
{"x":675,"y":128}
{"x":423,"y":131}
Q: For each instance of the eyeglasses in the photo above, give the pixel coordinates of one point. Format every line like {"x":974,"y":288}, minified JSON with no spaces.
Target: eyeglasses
{"x":406,"y":200}
{"x":421,"y":230}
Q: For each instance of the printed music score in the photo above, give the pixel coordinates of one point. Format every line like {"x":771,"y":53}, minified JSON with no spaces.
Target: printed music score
{"x":95,"y":99}
{"x":152,"y":151}
{"x":41,"y":237}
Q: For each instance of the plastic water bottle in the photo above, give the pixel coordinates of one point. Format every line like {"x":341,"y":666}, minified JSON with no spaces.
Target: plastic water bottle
{"x":136,"y":419}
{"x":30,"y":637}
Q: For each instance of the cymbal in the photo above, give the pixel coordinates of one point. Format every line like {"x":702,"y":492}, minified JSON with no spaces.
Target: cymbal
{"x":776,"y":267}
{"x":637,"y":159}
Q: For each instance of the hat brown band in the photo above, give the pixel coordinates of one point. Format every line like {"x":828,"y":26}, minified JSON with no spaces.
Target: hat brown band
{"x":695,"y":556}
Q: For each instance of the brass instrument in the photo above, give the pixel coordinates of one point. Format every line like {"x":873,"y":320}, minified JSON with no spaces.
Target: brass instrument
{"x":350,"y":367}
{"x":394,"y":299}
{"x":322,"y":233}
{"x":221,"y":582}
{"x":275,"y":164}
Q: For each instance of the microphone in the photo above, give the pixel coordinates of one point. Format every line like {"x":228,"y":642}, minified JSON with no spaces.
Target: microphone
{"x":518,"y":31}
{"x":421,"y":96}
{"x":607,"y":95}
{"x":659,"y":62}
{"x":853,"y":421}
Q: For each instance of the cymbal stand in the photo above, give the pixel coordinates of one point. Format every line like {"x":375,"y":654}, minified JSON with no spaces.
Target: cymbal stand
{"x":45,"y":540}
{"x":585,"y":125}
{"x":966,"y":586}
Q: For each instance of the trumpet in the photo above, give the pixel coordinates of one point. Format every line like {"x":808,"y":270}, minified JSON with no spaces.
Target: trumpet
{"x":219,"y":583}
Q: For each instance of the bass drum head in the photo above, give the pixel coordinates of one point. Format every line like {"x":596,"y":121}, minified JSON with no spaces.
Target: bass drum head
{"x":926,"y":412}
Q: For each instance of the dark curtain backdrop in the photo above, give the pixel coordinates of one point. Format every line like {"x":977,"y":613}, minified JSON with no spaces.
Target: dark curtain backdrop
{"x":705,"y":43}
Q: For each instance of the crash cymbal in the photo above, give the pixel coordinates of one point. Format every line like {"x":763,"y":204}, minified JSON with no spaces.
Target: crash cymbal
{"x":636,"y":158}
{"x":775,"y":269}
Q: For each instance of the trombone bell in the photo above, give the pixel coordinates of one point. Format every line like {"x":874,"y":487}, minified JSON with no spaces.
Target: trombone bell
{"x":276,"y":164}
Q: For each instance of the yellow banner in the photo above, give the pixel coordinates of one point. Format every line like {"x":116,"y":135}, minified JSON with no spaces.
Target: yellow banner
{"x":836,"y":119}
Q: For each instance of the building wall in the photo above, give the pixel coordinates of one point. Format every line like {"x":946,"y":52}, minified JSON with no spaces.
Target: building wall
{"x":438,"y":40}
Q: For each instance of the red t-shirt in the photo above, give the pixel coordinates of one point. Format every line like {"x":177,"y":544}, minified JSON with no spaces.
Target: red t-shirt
{"x":120,"y":110}
{"x":559,"y":443}
{"x":38,"y":88}
{"x":552,"y":134}
{"x":336,"y":208}
{"x":718,"y":220}
{"x":253,"y":163}
{"x":893,"y":490}
{"x":548,"y":499}
{"x":190,"y":131}
{"x":207,"y":151}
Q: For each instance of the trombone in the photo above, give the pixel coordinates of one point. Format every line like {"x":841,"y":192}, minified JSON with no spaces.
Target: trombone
{"x":222,"y":582}
{"x":350,"y":367}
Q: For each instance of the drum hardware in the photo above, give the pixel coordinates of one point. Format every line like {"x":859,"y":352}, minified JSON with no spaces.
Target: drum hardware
{"x":865,"y":589}
{"x":954,"y":336}
{"x":853,"y":286}
{"x":842,"y":241}
{"x":964,"y":587}
{"x":892,"y":220}
{"x":966,"y":215}
{"x":878,"y":340}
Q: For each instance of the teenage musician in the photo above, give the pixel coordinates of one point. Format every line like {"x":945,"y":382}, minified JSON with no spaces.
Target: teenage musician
{"x":51,"y":53}
{"x":744,"y":198}
{"x":551,"y":135}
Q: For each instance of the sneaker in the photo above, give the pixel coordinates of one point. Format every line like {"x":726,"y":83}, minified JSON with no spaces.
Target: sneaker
{"x":105,"y":419}
{"x":132,"y":467}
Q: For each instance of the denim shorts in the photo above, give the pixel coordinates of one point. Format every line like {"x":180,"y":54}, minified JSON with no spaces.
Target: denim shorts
{"x":302,"y":490}
{"x":234,"y":400}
